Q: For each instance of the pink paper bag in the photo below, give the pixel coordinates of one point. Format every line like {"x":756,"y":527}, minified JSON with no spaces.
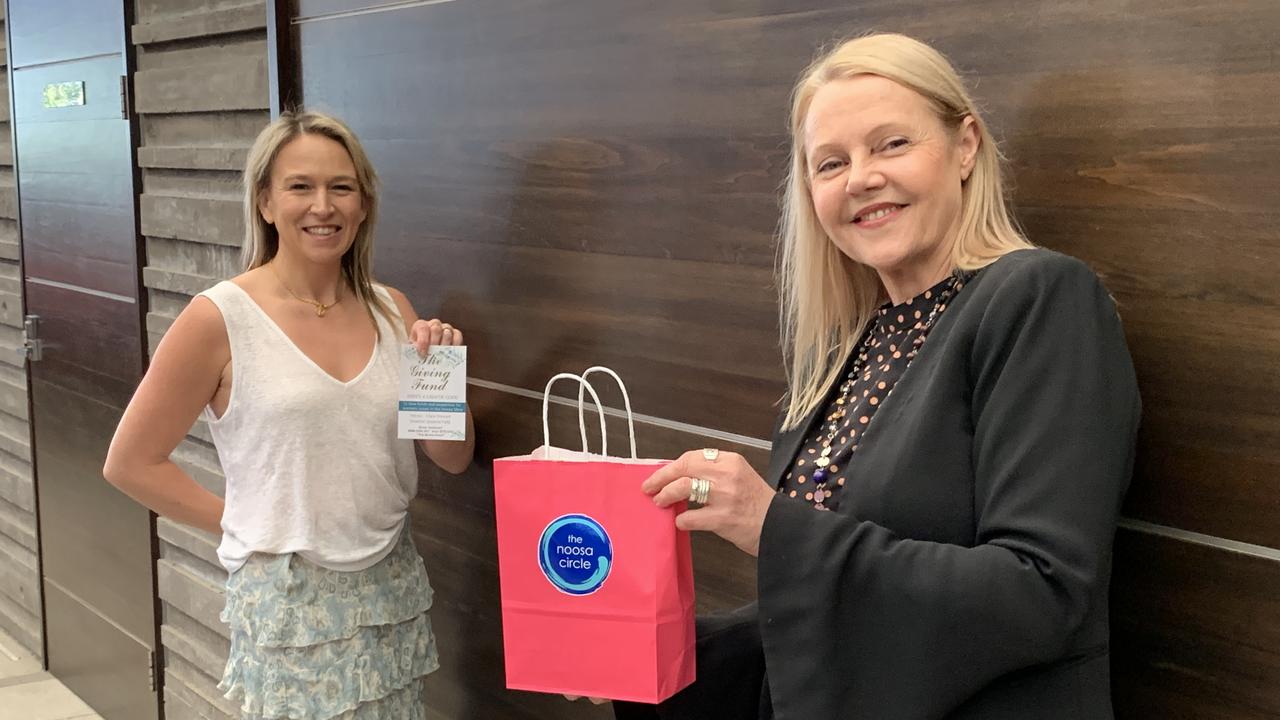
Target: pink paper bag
{"x":597,"y":582}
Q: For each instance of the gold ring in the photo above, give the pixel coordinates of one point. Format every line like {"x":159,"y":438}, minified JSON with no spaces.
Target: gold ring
{"x":710,"y":454}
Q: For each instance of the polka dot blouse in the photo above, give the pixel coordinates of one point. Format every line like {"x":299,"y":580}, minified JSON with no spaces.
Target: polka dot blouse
{"x":882,"y":356}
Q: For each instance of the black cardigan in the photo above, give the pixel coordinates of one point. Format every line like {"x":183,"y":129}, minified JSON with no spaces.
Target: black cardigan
{"x":965,"y":573}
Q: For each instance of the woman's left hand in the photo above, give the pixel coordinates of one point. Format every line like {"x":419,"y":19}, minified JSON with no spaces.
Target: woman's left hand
{"x":426,"y":333}
{"x":737,"y":501}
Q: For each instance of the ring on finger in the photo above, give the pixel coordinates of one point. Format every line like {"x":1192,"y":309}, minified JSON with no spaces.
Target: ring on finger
{"x":710,"y":454}
{"x":700,"y":490}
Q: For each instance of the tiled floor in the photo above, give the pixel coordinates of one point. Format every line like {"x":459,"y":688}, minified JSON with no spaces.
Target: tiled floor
{"x":29,"y":693}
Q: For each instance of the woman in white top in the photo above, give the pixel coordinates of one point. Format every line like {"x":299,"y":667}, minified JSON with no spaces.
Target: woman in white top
{"x":294,"y":364}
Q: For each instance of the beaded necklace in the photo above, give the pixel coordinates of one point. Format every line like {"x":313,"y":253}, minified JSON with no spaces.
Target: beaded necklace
{"x":844,"y":401}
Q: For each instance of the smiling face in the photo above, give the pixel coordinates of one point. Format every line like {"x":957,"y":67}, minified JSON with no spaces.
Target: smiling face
{"x":313,"y":199}
{"x":885,"y":174}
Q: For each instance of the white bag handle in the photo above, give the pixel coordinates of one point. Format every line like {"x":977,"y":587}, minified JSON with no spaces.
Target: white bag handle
{"x":582,"y":426}
{"x":626,"y":399}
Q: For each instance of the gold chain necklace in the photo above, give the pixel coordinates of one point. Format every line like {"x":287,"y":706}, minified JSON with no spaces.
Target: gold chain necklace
{"x":321,"y":308}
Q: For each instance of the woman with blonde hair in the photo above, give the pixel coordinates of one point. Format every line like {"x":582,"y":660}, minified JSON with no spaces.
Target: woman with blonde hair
{"x":294,"y":365}
{"x":933,"y":534}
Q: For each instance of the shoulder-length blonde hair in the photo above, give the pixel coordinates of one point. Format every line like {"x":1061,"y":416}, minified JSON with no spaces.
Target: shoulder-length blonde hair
{"x":827,"y":299}
{"x":262,"y":242}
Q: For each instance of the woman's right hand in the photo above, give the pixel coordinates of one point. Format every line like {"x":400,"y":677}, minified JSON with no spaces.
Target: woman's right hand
{"x":184,"y":375}
{"x":594,"y":701}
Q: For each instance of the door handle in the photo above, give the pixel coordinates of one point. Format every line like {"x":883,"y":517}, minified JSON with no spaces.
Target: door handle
{"x":32,"y":346}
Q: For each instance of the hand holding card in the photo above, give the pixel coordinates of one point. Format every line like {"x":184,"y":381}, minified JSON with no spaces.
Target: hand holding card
{"x":433,"y":393}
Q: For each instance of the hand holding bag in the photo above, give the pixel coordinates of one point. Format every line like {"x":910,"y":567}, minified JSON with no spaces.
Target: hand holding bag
{"x":596,"y":581}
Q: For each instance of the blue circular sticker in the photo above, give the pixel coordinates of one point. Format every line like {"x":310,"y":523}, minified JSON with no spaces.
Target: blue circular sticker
{"x":575,"y":554}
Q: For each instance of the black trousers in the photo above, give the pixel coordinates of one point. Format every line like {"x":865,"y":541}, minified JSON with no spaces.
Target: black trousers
{"x":731,"y":682}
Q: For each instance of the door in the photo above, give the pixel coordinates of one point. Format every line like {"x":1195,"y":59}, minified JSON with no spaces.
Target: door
{"x":80,"y":250}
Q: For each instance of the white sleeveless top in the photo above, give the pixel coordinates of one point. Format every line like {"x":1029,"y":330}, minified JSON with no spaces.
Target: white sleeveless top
{"x":313,"y":465}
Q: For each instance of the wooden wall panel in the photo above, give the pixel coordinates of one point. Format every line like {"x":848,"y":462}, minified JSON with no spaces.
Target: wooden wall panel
{"x":544,"y":154}
{"x":575,"y":182}
{"x":201,"y":92}
{"x":1194,"y":631}
{"x":19,"y":617}
{"x":671,"y":327}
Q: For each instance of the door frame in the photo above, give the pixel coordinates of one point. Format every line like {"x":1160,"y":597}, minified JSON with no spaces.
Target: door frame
{"x":142,"y":306}
{"x":283,"y":66}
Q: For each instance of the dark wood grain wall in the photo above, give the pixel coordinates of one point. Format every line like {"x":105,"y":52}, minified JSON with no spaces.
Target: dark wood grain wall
{"x":577,"y":183}
{"x":582,"y":182}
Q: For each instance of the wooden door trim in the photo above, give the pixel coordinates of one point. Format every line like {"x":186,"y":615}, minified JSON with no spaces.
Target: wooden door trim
{"x":142,"y":306}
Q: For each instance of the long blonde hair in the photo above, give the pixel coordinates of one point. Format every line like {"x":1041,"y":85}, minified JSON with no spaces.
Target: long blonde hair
{"x":262,"y":241}
{"x":827,"y":299}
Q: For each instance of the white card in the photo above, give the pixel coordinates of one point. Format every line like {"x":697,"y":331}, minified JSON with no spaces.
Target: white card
{"x":433,"y":393}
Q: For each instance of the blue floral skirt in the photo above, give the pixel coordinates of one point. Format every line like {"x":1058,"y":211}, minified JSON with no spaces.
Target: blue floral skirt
{"x":309,"y":643}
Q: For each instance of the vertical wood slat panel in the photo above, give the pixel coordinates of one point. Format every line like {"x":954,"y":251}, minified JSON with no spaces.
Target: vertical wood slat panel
{"x":19,"y":617}
{"x":201,"y":97}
